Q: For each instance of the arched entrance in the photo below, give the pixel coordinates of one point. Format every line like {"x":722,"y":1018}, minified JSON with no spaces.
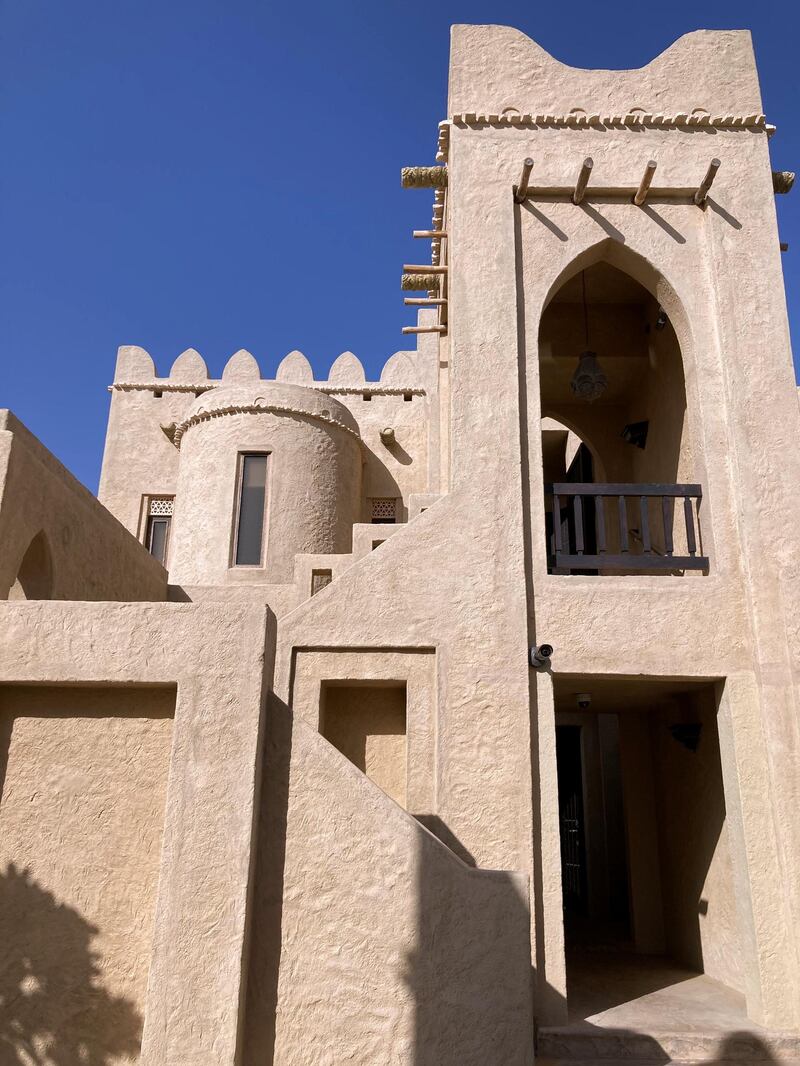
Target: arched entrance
{"x":34,"y":580}
{"x":611,"y":372}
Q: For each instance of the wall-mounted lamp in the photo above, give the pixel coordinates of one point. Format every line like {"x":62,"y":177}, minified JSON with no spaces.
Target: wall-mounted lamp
{"x":635,"y":433}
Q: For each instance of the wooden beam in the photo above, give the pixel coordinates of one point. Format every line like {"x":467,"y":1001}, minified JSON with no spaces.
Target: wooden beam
{"x":705,"y":184}
{"x":583,"y":180}
{"x":411,"y":268}
{"x":425,"y":301}
{"x":428,"y":233}
{"x":644,"y":184}
{"x":424,"y":329}
{"x":521,"y":193}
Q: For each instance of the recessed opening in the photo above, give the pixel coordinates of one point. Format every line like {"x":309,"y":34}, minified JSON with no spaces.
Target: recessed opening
{"x":320,"y":579}
{"x":621,"y":486}
{"x":159,"y":522}
{"x":252,"y":498}
{"x":34,"y":580}
{"x":408,"y":397}
{"x":366,"y":721}
{"x":376,"y":544}
{"x":157,"y":393}
{"x":647,"y":882}
{"x":366,"y":396}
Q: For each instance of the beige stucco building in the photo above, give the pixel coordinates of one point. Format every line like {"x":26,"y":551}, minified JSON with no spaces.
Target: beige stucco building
{"x":315,"y":790}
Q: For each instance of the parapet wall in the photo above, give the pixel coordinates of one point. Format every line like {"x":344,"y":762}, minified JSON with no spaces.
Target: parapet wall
{"x":708,"y":74}
{"x":55,"y":535}
{"x":142,"y":455}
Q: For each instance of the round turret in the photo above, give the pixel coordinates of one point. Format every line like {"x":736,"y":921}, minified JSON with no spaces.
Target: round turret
{"x":267,"y":470}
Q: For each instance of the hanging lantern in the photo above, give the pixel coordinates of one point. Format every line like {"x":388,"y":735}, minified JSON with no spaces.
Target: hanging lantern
{"x":588,"y":382}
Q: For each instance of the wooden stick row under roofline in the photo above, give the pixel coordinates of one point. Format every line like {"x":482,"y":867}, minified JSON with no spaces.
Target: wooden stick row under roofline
{"x":583,"y":180}
{"x":521,"y":191}
{"x":645,"y":183}
{"x":699,"y":195}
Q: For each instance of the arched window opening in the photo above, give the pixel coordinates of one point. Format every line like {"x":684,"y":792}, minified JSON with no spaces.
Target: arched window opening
{"x":611,"y":371}
{"x":34,"y":580}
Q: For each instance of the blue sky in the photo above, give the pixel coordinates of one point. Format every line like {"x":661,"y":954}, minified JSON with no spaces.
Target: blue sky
{"x":224,"y":174}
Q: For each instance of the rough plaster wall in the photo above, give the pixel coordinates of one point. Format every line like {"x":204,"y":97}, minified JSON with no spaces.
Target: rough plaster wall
{"x":139,"y":459}
{"x":93,"y":556}
{"x":399,"y":468}
{"x":81,"y":817}
{"x":372,"y":940}
{"x":368,"y":725}
{"x":313,"y":495}
{"x":220,"y":656}
{"x":668,"y":454}
{"x":700,"y":916}
{"x":496,"y":67}
{"x":717,"y":273}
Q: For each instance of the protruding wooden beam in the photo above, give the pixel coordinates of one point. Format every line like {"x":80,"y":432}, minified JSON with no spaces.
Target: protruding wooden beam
{"x":583,"y":180}
{"x":417,"y":282}
{"x":425,"y":301}
{"x":645,"y":183}
{"x":423,"y":177}
{"x":705,"y":184}
{"x":522,"y":189}
{"x":428,"y":233}
{"x":782,"y":180}
{"x":424,"y":329}
{"x":424,"y":268}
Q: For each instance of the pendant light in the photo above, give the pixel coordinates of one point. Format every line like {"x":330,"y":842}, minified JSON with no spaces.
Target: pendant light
{"x":588,"y":382}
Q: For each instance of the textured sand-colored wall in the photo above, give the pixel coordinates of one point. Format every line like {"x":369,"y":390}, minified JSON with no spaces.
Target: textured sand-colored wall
{"x":93,"y":557}
{"x":81,"y":817}
{"x":372,"y":943}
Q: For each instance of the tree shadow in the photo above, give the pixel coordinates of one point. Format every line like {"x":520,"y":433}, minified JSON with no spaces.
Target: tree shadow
{"x":54,"y":1010}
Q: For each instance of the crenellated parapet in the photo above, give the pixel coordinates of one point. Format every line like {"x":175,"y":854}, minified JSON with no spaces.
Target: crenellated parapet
{"x":136,"y":372}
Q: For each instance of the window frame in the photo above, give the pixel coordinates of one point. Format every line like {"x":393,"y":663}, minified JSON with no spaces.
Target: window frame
{"x":150,"y":519}
{"x":237,"y":503}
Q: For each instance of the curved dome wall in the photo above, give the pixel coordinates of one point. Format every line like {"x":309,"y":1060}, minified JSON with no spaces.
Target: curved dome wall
{"x":313,"y":481}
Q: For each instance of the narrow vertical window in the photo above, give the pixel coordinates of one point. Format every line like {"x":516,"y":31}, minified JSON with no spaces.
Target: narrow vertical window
{"x":159,"y":517}
{"x":252,"y":500}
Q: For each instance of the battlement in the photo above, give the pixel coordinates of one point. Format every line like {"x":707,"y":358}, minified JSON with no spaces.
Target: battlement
{"x":136,"y":372}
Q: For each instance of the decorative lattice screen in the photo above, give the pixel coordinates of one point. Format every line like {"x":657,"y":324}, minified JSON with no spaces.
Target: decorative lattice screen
{"x":384,"y":509}
{"x":160,"y":505}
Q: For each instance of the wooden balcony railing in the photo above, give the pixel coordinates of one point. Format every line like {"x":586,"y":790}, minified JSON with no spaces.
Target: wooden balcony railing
{"x":622,"y":527}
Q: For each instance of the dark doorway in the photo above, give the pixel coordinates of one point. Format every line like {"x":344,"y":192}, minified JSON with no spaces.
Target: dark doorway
{"x":571,"y":818}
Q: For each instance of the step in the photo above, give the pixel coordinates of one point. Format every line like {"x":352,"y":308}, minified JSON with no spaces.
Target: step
{"x":580,"y":1046}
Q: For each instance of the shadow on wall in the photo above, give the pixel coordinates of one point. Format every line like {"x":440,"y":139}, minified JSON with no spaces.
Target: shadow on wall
{"x":456,"y":984}
{"x":466,"y":1005}
{"x":53,"y":1008}
{"x":34,"y":580}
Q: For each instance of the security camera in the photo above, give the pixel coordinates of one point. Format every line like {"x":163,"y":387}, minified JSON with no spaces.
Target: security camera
{"x":540,"y":656}
{"x":583,"y":699}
